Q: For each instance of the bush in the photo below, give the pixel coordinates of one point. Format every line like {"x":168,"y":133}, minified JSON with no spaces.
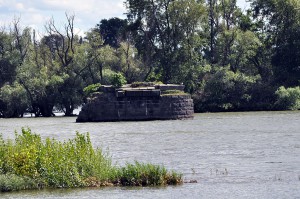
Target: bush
{"x":225,"y":91}
{"x":28,"y":162}
{"x":11,"y":182}
{"x":288,"y":98}
{"x":118,"y":80}
{"x":58,"y":164}
{"x":91,"y":88}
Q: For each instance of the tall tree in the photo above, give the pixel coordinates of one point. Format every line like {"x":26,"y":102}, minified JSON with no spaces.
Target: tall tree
{"x":62,"y":45}
{"x":113,"y":31}
{"x":165,"y":29}
{"x":278,"y":23}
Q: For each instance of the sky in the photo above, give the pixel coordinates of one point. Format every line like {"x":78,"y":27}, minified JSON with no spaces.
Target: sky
{"x":88,"y":13}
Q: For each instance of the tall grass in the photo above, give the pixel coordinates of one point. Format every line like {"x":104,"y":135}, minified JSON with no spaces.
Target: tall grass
{"x":140,"y":174}
{"x":28,"y":162}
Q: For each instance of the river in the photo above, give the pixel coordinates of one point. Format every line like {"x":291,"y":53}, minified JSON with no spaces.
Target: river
{"x":231,"y":155}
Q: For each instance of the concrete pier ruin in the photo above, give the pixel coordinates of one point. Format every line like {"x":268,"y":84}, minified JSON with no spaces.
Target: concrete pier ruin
{"x":136,"y":103}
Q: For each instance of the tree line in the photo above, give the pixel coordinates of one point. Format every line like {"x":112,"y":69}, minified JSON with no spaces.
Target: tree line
{"x":229,"y":59}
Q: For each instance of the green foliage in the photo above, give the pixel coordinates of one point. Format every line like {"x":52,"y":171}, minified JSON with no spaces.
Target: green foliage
{"x":129,"y":63}
{"x":278,"y":24}
{"x":92,"y":88}
{"x":28,"y":162}
{"x":11,"y":182}
{"x":288,"y":98}
{"x":225,"y":91}
{"x":14,"y":101}
{"x":166,"y":34}
{"x":55,"y":163}
{"x":112,"y":30}
{"x":154,"y":76}
{"x":118,"y":80}
{"x":179,"y":41}
{"x":139,"y":174}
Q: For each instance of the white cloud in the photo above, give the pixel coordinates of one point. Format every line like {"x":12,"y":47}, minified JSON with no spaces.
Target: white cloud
{"x":88,"y":13}
{"x":35,"y":13}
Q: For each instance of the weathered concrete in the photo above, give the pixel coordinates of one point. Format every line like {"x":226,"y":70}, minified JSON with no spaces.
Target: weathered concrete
{"x":146,"y":103}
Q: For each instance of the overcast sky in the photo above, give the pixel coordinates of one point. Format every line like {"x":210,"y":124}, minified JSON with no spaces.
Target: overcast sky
{"x":35,"y":13}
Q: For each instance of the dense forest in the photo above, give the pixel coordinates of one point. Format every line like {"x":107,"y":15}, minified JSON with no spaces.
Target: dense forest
{"x":229,"y":59}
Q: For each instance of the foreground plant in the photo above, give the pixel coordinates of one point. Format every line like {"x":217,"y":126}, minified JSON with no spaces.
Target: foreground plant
{"x":29,"y":163}
{"x":139,"y":174}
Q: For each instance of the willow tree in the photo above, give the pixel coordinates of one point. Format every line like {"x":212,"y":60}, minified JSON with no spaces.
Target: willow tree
{"x":63,"y":44}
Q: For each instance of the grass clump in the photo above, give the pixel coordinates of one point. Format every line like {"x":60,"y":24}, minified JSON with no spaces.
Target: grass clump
{"x":139,"y":174}
{"x":30,"y":163}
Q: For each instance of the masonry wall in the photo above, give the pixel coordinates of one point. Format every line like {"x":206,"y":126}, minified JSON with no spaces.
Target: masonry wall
{"x":136,"y":105}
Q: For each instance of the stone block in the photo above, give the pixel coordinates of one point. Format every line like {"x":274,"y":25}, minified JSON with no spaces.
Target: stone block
{"x":120,"y":93}
{"x":107,"y":89}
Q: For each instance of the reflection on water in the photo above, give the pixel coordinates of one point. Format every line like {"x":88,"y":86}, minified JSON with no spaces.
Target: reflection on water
{"x":233,"y":155}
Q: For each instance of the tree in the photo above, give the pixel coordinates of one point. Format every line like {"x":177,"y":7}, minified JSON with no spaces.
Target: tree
{"x":100,"y":56}
{"x":278,"y":23}
{"x":166,"y":31}
{"x":8,"y":63}
{"x":129,"y":63}
{"x":62,"y":45}
{"x":13,"y":101}
{"x":41,"y":77}
{"x":226,"y":90}
{"x":14,"y":45}
{"x":113,"y":31}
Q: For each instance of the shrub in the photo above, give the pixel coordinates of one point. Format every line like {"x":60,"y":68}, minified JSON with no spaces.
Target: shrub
{"x":288,"y":98}
{"x":91,"y":88}
{"x":12,"y":182}
{"x":225,"y":91}
{"x":58,"y":164}
{"x":28,"y":163}
{"x":118,"y":80}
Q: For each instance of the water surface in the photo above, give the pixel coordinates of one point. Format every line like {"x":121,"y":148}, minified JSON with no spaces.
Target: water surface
{"x":231,"y":155}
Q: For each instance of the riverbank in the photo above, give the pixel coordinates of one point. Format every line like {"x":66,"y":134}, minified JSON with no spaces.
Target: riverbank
{"x":28,"y":162}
